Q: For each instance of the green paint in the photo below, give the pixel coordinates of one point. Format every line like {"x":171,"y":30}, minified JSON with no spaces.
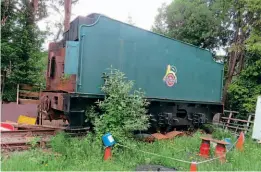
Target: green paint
{"x":144,"y":56}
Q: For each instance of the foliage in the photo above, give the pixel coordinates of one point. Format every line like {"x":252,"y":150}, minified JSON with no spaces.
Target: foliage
{"x":245,"y":89}
{"x":56,"y":25}
{"x":75,"y":154}
{"x":193,"y":22}
{"x":122,"y":111}
{"x":130,"y":20}
{"x":242,"y":18}
{"x":65,"y":77}
{"x":220,"y":134}
{"x":34,"y":142}
{"x":22,"y":61}
{"x":243,"y":92}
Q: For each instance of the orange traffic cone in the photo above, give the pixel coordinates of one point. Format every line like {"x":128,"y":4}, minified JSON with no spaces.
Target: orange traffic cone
{"x":193,"y":166}
{"x":107,"y":153}
{"x":240,"y":141}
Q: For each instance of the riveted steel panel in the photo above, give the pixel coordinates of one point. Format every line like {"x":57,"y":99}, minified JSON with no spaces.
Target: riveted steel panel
{"x":71,"y":57}
{"x":164,"y":68}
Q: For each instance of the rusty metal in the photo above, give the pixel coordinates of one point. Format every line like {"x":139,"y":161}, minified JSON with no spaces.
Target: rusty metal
{"x":159,"y":136}
{"x":33,"y":127}
{"x":51,"y":100}
{"x":20,"y":139}
{"x":55,"y":123}
{"x":173,"y":134}
{"x":145,"y":137}
{"x":169,"y":135}
{"x":14,"y":147}
{"x":51,"y":107}
{"x":24,"y":133}
{"x":28,"y":101}
{"x":67,"y":84}
{"x":22,"y":145}
{"x":54,"y":78}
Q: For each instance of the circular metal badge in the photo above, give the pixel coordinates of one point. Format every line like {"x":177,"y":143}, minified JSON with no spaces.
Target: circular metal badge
{"x":170,"y":81}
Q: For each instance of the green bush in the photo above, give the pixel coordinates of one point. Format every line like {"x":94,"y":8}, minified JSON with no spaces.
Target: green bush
{"x":220,"y":134}
{"x":123,"y":109}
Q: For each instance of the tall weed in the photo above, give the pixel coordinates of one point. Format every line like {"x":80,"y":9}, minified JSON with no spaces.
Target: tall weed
{"x":86,"y":154}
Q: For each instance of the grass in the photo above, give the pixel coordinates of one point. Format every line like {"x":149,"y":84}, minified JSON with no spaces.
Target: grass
{"x":86,"y":154}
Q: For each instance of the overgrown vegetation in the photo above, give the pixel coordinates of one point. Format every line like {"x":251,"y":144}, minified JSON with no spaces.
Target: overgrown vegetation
{"x":74,"y":154}
{"x":221,"y":134}
{"x":123,"y":109}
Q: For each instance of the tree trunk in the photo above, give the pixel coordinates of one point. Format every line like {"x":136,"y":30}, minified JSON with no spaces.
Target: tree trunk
{"x":3,"y":75}
{"x":60,"y":28}
{"x":241,"y":62}
{"x":236,"y":56}
{"x":35,"y":6}
{"x":231,"y":69}
{"x":6,"y":7}
{"x":67,"y":16}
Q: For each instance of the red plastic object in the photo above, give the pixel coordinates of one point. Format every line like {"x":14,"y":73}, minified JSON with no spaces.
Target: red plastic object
{"x":240,"y":142}
{"x":107,"y":153}
{"x":204,"y":147}
{"x":7,"y":127}
{"x":220,"y":151}
{"x":193,"y":166}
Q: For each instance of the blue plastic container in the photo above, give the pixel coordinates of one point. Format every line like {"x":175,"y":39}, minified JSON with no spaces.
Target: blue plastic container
{"x":108,"y":140}
{"x":228,"y":140}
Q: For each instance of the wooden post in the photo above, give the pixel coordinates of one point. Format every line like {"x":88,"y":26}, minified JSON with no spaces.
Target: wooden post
{"x":223,"y":126}
{"x":228,"y":121}
{"x":41,"y":115}
{"x":17,"y":94}
{"x":40,"y":109}
{"x":237,"y":128}
{"x":248,"y":123}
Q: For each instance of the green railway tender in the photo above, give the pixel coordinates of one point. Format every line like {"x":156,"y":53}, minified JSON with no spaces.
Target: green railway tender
{"x":182,"y":82}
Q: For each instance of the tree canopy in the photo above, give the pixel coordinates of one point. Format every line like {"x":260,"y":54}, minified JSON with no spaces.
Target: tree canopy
{"x":22,"y":58}
{"x":192,"y":22}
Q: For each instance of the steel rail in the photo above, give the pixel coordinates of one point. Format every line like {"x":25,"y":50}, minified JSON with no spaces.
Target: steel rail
{"x":24,"y":133}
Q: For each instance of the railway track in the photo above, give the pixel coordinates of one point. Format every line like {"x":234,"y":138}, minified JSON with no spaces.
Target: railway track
{"x":21,"y":139}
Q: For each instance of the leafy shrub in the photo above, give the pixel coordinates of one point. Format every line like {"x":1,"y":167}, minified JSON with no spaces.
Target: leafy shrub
{"x":220,"y":134}
{"x":121,"y":111}
{"x":243,"y":92}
